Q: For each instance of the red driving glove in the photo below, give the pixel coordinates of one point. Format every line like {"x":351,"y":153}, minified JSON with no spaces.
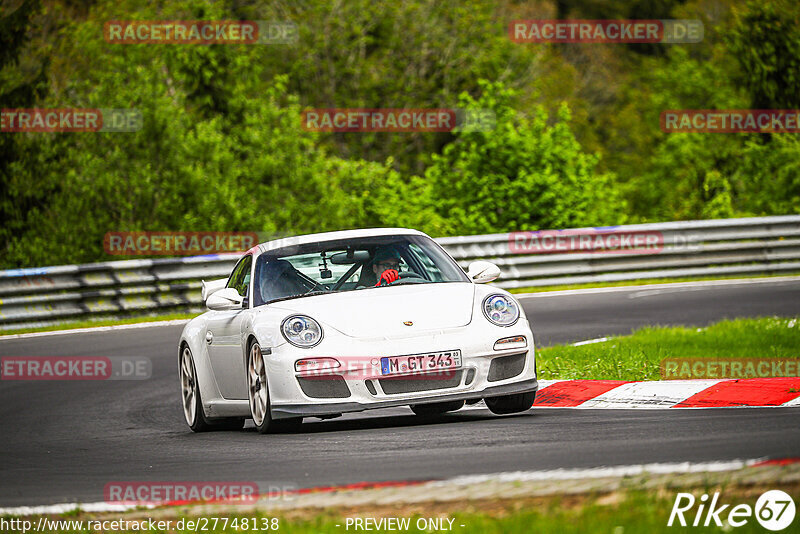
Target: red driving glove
{"x":388,"y":276}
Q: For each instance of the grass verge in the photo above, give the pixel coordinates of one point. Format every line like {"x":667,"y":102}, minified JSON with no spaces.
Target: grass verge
{"x":638,"y":356}
{"x":627,"y":511}
{"x":93,"y":323}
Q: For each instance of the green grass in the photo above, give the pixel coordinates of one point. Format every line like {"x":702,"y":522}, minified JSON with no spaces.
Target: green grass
{"x":89,"y":323}
{"x":643,"y":282}
{"x":623,"y":512}
{"x":638,"y":356}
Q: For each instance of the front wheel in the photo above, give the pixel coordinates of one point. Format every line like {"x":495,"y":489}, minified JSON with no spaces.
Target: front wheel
{"x":258,"y":394}
{"x":257,"y":390}
{"x":507,"y":404}
{"x":437,"y":408}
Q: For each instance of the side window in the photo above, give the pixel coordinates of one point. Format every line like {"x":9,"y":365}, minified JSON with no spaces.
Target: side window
{"x":240,"y":277}
{"x":433,"y":272}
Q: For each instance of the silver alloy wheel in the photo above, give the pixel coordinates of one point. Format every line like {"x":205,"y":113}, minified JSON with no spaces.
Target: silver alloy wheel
{"x":257,"y":385}
{"x":188,"y":384}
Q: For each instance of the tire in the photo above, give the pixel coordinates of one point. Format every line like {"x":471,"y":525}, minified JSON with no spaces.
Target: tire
{"x":507,"y":404}
{"x":437,"y":408}
{"x":258,"y":396}
{"x":192,"y":402}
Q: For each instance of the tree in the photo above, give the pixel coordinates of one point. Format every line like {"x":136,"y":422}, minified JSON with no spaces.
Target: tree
{"x":765,"y":39}
{"x":523,"y":174}
{"x":19,"y":88}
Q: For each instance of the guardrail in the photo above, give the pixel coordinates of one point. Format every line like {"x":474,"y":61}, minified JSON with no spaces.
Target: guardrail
{"x":47,"y":295}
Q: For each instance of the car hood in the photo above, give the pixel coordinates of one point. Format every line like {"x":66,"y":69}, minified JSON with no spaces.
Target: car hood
{"x":383,"y":311}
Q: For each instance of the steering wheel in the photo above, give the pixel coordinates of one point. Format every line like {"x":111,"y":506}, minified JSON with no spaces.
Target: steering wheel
{"x":409,"y":277}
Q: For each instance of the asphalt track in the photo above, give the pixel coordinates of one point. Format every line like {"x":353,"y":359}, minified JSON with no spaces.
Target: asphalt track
{"x":64,"y":441}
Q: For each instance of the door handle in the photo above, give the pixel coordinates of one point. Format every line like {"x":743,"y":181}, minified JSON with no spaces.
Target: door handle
{"x":209,"y":337}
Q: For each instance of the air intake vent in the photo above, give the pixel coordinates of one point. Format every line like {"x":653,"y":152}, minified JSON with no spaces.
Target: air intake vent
{"x":506,"y":367}
{"x":405,"y":384}
{"x":470,"y":377}
{"x":324,"y":387}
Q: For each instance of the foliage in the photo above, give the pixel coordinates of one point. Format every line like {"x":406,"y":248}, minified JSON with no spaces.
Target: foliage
{"x":765,"y":38}
{"x":523,"y":174}
{"x":577,"y":141}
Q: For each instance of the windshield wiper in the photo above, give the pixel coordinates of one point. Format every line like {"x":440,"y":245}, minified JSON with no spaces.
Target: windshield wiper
{"x":290,"y":297}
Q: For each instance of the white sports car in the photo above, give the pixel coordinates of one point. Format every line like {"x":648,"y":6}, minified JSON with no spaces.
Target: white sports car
{"x":319,"y":325}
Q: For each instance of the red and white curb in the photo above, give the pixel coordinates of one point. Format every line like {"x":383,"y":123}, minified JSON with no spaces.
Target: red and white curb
{"x":750,"y":392}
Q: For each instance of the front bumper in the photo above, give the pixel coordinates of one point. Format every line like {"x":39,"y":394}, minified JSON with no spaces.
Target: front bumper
{"x":316,"y":410}
{"x":477,"y":378}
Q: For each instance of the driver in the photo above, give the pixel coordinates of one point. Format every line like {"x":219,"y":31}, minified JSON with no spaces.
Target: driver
{"x":386,"y":266}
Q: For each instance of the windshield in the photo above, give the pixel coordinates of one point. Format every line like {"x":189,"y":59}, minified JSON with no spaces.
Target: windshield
{"x":350,"y":265}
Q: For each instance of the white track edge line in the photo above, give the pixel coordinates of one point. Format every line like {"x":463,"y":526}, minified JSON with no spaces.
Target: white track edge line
{"x":602,"y":472}
{"x":614,"y":289}
{"x":591,"y":341}
{"x":108,"y":328}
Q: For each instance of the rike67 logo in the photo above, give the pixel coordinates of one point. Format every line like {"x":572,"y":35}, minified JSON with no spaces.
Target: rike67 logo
{"x":774,"y":510}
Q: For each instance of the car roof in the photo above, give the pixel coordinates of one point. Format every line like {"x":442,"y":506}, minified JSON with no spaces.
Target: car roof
{"x":333,"y":236}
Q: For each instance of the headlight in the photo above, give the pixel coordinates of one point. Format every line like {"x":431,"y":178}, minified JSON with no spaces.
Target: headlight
{"x":301,"y":331}
{"x":500,"y":310}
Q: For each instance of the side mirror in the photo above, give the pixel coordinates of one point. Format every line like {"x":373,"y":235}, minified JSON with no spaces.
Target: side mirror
{"x":209,"y":288}
{"x":225,"y":299}
{"x":483,"y":271}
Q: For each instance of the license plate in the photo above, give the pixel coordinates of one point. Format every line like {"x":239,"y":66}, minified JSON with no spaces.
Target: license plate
{"x":421,"y":363}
